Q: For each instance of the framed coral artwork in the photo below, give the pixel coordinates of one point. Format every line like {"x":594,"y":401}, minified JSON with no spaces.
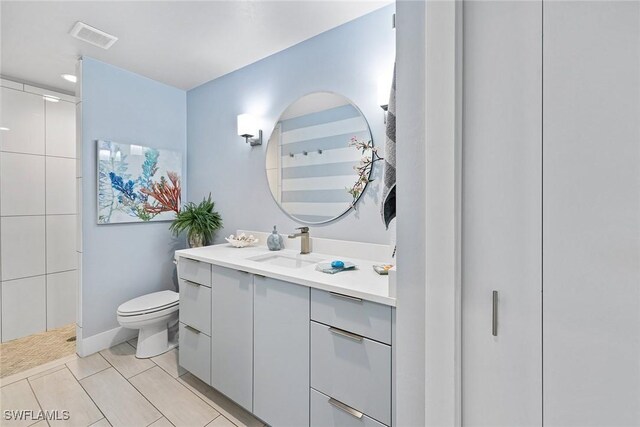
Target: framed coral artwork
{"x":137,"y":183}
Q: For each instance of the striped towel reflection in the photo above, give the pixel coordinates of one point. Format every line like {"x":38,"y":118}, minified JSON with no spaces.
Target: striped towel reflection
{"x":388,"y":208}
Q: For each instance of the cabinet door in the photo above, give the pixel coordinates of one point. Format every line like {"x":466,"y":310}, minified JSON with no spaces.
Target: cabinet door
{"x":195,"y":306}
{"x":591,"y":213}
{"x":232,"y":334}
{"x":501,"y":214}
{"x":195,"y":352}
{"x":281,"y":352}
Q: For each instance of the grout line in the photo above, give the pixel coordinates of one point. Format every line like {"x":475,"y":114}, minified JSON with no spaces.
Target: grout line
{"x":19,"y":376}
{"x":0,"y":254}
{"x":78,"y":382}
{"x":141,"y":372}
{"x":193,"y":391}
{"x":34,"y":394}
{"x":163,"y":415}
{"x":134,"y":387}
{"x":161,"y":367}
{"x":37,"y":154}
{"x":46,"y":372}
{"x":88,"y":376}
{"x":91,"y":398}
{"x":198,"y":394}
{"x":218,"y":407}
{"x":46,"y":258}
{"x":160,"y":419}
{"x":44,"y":214}
{"x":22,"y":215}
{"x":39,"y":275}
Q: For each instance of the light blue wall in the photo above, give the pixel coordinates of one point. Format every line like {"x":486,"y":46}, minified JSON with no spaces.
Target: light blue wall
{"x":348,"y":60}
{"x":122,"y":261}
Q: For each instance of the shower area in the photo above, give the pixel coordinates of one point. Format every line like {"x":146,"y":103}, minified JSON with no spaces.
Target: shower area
{"x":38,"y":258}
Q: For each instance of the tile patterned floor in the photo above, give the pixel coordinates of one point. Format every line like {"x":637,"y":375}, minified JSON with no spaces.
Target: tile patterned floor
{"x":113,"y":388}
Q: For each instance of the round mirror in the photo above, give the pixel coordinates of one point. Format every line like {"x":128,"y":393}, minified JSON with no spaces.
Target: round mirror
{"x":319,"y":158}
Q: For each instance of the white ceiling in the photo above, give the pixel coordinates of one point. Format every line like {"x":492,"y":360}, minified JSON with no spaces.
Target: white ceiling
{"x":181,"y":43}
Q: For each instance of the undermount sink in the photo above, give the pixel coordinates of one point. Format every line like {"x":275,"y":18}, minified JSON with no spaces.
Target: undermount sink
{"x":286,"y":260}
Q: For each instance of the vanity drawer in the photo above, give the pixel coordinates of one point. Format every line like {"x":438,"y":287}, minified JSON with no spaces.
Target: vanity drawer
{"x":194,"y":271}
{"x":364,"y":318}
{"x":195,"y":352}
{"x":195,"y":305}
{"x":327,"y":412}
{"x":353,"y":370}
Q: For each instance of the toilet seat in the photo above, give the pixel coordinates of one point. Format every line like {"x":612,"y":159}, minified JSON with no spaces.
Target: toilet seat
{"x":150,"y":303}
{"x":152,"y":314}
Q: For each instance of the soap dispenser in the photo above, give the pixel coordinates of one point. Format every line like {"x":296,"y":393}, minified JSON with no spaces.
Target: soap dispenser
{"x":275,"y":241}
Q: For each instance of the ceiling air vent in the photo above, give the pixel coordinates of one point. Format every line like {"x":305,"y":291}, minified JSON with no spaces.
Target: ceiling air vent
{"x":87,"y":33}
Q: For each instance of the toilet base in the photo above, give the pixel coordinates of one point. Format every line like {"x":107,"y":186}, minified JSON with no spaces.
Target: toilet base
{"x":153,"y":340}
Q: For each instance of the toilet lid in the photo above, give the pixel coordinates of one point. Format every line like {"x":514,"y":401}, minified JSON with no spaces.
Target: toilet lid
{"x":150,"y":302}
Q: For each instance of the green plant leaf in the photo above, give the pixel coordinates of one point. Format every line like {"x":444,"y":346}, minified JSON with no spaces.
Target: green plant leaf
{"x":197,"y":219}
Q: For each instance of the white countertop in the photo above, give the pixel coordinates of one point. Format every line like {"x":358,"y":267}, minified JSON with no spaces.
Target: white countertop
{"x":362,"y":282}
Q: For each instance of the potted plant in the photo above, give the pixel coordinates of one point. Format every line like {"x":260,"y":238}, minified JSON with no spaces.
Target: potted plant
{"x":199,"y":221}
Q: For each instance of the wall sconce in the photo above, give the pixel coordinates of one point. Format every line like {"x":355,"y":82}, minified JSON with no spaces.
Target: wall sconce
{"x":248,"y":129}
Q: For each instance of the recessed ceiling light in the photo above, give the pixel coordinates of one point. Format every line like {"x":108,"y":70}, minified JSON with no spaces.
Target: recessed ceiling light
{"x":4,"y":128}
{"x":51,"y":98}
{"x":69,"y":77}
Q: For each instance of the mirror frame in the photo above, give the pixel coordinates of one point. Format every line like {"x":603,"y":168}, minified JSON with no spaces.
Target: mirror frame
{"x":349,"y":208}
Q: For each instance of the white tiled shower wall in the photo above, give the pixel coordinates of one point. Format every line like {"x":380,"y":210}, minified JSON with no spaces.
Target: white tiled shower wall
{"x":38,"y":262}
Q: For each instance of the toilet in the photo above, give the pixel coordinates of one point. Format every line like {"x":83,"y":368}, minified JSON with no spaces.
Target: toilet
{"x":152,"y":314}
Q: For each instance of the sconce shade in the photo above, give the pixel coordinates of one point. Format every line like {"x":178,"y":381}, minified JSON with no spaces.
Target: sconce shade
{"x":248,"y":129}
{"x":246,"y":125}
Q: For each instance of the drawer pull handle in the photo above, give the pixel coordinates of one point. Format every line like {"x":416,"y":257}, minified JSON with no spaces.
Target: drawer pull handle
{"x":348,"y":409}
{"x":192,"y":283}
{"x":333,"y":294}
{"x":346,"y":334}
{"x":259,"y":276}
{"x":192,"y":329}
{"x":191,"y":259}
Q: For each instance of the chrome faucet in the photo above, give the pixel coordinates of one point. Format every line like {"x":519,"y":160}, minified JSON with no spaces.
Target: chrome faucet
{"x":304,"y":241}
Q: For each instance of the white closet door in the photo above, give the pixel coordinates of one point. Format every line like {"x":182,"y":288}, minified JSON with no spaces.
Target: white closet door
{"x":501,"y":213}
{"x":591,"y":213}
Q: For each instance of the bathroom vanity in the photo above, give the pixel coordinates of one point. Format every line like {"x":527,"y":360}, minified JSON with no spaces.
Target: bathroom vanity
{"x":292,"y":345}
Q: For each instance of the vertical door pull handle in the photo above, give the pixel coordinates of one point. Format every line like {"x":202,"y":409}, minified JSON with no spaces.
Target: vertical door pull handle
{"x":494,"y":314}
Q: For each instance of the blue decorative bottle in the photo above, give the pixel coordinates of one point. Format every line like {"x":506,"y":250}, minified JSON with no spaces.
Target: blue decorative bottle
{"x":274,"y":241}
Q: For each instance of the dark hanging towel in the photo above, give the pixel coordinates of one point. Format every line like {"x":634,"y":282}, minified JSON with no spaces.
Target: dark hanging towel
{"x":388,"y":208}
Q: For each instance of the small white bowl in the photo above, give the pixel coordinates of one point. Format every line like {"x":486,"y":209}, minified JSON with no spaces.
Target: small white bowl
{"x":241,"y":243}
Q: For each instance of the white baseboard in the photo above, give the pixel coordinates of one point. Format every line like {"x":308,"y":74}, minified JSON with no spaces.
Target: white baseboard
{"x":101,"y":341}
